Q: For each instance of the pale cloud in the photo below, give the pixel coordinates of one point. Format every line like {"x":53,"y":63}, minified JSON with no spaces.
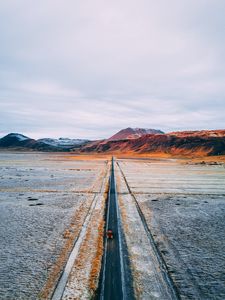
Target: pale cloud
{"x":47,"y":88}
{"x":89,"y":68}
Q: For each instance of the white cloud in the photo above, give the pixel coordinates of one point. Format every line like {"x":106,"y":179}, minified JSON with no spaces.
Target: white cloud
{"x":87,"y":68}
{"x":47,"y":88}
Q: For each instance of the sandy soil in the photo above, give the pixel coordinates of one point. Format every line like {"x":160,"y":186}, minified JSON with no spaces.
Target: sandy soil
{"x":189,"y":232}
{"x":43,"y":203}
{"x":45,"y":198}
{"x":148,"y":282}
{"x":84,"y":276}
{"x":183,"y":205}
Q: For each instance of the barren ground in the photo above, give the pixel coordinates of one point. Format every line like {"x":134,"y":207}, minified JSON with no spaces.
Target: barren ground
{"x":183,"y":205}
{"x":44,"y":199}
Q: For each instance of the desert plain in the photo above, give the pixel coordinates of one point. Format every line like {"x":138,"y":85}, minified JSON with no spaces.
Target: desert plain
{"x":52,"y":207}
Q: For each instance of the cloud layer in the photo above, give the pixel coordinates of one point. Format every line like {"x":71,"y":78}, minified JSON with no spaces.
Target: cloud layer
{"x":89,"y":68}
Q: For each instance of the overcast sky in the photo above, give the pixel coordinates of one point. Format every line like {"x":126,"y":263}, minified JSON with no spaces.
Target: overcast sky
{"x":88,"y":68}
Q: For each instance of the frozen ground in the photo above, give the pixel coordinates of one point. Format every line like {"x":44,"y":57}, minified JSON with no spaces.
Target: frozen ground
{"x":43,"y":199}
{"x":184,"y":207}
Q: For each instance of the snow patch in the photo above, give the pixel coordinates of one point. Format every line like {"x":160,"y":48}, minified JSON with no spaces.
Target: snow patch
{"x":19,"y":137}
{"x":62,"y":142}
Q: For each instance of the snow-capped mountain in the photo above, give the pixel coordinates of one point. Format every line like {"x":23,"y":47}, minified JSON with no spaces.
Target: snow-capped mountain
{"x":14,"y":139}
{"x":63,"y":142}
{"x":18,"y":136}
{"x":19,"y":141}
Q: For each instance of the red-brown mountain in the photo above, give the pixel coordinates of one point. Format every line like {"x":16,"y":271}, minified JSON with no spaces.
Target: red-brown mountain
{"x":133,"y":133}
{"x":203,"y":133}
{"x":206,"y":142}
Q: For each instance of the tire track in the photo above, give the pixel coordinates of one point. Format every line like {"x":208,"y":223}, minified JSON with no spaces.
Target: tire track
{"x":62,"y":281}
{"x":162,"y":264}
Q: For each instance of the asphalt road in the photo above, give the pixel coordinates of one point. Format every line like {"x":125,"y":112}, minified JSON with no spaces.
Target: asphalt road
{"x":112,"y":281}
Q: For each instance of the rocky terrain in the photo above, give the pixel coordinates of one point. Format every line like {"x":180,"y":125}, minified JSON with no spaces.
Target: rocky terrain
{"x":200,"y":143}
{"x":129,"y":141}
{"x":133,"y":133}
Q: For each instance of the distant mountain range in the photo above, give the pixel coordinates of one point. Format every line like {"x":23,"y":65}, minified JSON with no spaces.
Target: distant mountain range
{"x":128,"y":141}
{"x":19,"y":141}
{"x":63,"y":142}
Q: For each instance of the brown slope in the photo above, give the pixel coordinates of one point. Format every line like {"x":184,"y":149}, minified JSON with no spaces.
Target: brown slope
{"x":180,"y":144}
{"x":133,"y":133}
{"x":203,"y":133}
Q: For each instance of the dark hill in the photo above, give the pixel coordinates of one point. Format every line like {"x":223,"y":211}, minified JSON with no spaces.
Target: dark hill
{"x":17,"y":141}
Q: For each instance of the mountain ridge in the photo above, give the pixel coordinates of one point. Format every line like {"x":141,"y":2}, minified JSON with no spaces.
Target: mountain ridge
{"x":19,"y":141}
{"x":132,"y":133}
{"x":183,"y":143}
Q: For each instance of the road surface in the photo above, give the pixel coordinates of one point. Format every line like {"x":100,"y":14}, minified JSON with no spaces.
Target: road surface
{"x":112,"y":285}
